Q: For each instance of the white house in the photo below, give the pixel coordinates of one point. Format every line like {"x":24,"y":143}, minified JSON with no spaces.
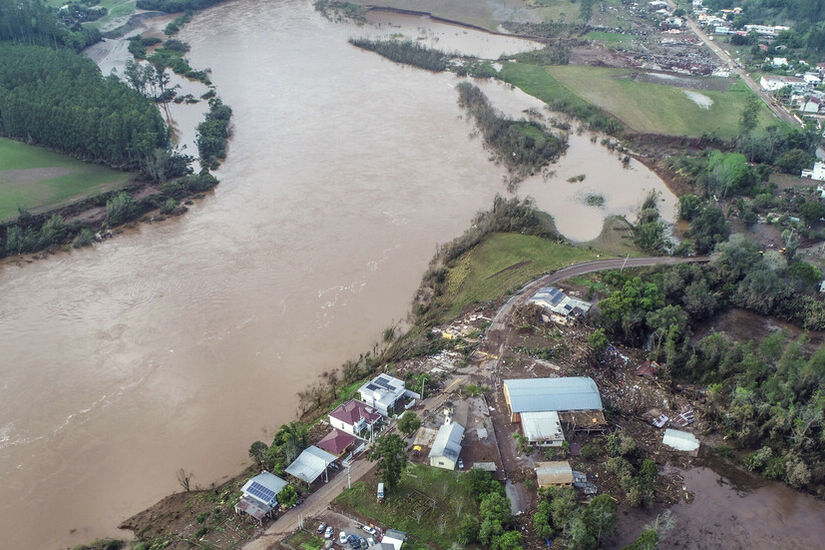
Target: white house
{"x":811,"y":105}
{"x":780,"y":62}
{"x":447,"y":445}
{"x":817,"y":174}
{"x":771,"y":83}
{"x":812,"y":78}
{"x":394,"y":537}
{"x":561,"y":307}
{"x":354,"y":417}
{"x":382,"y":392}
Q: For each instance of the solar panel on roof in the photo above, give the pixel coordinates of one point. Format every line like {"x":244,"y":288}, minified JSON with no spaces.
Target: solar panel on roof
{"x":261,"y":492}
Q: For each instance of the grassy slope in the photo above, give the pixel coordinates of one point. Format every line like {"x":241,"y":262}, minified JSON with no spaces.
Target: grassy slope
{"x":608,"y":37}
{"x":398,"y":511}
{"x":657,"y":108}
{"x":32,"y":191}
{"x":504,"y":262}
{"x":642,"y":106}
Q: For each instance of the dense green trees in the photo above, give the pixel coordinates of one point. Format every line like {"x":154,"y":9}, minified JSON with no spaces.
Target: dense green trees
{"x":175,"y":6}
{"x":407,"y":52}
{"x":409,"y":423}
{"x":389,"y":452}
{"x":213,"y":133}
{"x":31,"y":22}
{"x":59,"y":99}
{"x":584,"y":527}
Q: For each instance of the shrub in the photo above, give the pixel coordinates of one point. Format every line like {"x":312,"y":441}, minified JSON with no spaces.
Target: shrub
{"x":120,"y":208}
{"x":169,"y":206}
{"x":84,"y":238}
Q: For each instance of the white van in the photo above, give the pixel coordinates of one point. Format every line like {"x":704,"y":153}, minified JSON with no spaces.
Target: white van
{"x":380,"y":492}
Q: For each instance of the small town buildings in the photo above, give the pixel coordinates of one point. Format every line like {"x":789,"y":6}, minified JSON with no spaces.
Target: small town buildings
{"x":812,"y":78}
{"x":554,"y":474}
{"x":447,"y":445}
{"x":779,"y":62}
{"x":766,"y":30}
{"x":772,"y":83}
{"x":310,"y":464}
{"x":382,"y":392}
{"x":355,"y":418}
{"x":816,"y":174}
{"x":542,"y":428}
{"x":681,"y":441}
{"x":561,"y":308}
{"x":394,"y":537}
{"x":576,"y":393}
{"x":260,"y":495}
{"x":337,"y":442}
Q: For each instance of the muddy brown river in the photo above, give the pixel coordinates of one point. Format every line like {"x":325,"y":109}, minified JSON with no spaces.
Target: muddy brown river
{"x":177,"y":344}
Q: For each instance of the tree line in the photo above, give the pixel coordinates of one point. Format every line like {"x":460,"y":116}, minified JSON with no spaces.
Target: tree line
{"x":59,"y":99}
{"x":175,"y":6}
{"x":31,"y":22}
{"x":407,"y":52}
{"x":523,"y":146}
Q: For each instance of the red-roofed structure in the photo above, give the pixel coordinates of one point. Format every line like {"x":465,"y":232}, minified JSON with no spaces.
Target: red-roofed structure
{"x":354,"y":417}
{"x":337,"y":442}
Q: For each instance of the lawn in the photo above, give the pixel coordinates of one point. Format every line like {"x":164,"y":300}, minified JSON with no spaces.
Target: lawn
{"x":642,"y":106}
{"x":608,"y":37}
{"x":504,"y":262}
{"x":428,"y":505}
{"x":36,"y":178}
{"x":657,"y":108}
{"x":616,"y":238}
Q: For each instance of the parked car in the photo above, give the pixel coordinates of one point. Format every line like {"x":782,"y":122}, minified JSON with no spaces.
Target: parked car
{"x":371,"y":541}
{"x":368,"y":529}
{"x":363,"y":542}
{"x":342,"y":537}
{"x":354,"y":542}
{"x":460,"y":464}
{"x":329,"y":533}
{"x":321,"y":528}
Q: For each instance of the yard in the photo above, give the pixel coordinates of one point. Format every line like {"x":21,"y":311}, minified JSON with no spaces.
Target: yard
{"x":428,"y":505}
{"x":504,"y":262}
{"x":36,"y":178}
{"x":644,"y":107}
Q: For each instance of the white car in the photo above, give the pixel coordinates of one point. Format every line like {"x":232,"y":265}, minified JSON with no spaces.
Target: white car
{"x":342,"y":538}
{"x":329,"y":533}
{"x":369,"y":529}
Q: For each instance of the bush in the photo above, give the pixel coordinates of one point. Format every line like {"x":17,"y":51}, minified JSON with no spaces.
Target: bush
{"x":120,"y":209}
{"x":84,"y":238}
{"x":168,"y":206}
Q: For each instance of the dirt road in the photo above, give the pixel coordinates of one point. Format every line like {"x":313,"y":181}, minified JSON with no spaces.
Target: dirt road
{"x":777,"y":110}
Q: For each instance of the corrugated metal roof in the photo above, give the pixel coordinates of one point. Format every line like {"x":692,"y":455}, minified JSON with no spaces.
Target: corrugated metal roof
{"x":542,"y":426}
{"x":448,"y":441}
{"x":310,"y":464}
{"x":554,"y":473}
{"x":679,"y":440}
{"x":578,"y":393}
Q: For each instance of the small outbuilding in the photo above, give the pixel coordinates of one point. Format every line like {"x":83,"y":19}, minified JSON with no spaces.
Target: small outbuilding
{"x":310,"y":464}
{"x":554,"y":474}
{"x":447,"y":445}
{"x":394,"y":537}
{"x":543,"y":428}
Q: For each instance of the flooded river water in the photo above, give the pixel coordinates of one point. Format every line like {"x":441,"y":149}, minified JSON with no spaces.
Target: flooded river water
{"x":177,"y":344}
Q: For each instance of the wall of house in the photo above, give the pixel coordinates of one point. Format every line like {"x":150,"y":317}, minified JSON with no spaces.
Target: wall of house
{"x":341,"y":425}
{"x":442,"y":462}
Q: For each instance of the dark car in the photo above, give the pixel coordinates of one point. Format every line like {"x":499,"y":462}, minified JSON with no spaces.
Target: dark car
{"x":354,"y":542}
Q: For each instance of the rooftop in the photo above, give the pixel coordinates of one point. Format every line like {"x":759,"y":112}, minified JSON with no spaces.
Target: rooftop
{"x":448,"y":441}
{"x":336,"y":442}
{"x":310,"y":464}
{"x":554,"y":473}
{"x":354,"y":411}
{"x":558,"y":302}
{"x":264,"y":488}
{"x":382,"y":390}
{"x":542,"y":426}
{"x":576,"y":393}
{"x":679,"y":440}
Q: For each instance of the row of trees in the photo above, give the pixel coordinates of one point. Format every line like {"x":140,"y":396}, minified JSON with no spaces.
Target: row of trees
{"x":407,"y":52}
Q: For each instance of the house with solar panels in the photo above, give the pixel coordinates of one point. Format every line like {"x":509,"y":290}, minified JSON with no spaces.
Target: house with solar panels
{"x":559,"y":307}
{"x":260,"y":496}
{"x":542,"y":406}
{"x":382,"y":393}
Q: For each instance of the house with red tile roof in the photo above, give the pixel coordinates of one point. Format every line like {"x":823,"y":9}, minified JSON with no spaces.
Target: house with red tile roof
{"x":337,"y":442}
{"x":354,"y":417}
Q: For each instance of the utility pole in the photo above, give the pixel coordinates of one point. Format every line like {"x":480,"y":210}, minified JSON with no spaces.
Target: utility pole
{"x":625,"y":262}
{"x":349,"y":479}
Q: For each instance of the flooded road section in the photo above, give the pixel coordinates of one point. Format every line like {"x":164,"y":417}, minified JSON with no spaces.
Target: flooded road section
{"x":177,"y":344}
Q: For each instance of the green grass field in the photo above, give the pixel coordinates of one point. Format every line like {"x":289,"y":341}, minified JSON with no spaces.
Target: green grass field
{"x":608,"y":37}
{"x":642,"y":106}
{"x":35,"y":178}
{"x":438,"y":495}
{"x":504,"y":262}
{"x":657,"y":108}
